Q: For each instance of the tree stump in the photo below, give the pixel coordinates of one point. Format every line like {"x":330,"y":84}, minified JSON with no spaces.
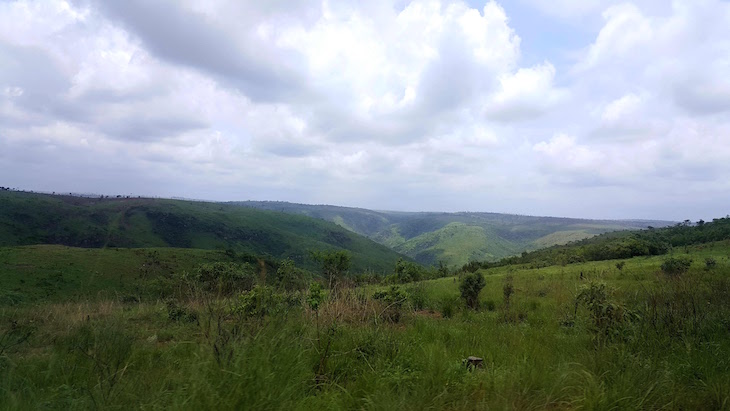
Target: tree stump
{"x":472,"y":363}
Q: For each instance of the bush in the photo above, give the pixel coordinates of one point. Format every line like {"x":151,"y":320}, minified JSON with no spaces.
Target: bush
{"x":676,"y":265}
{"x":406,"y":271}
{"x":418,"y":296}
{"x":178,"y":313}
{"x":470,"y":287}
{"x":394,"y":299}
{"x":710,"y":263}
{"x":225,"y":278}
{"x":289,"y":277}
{"x":608,"y":317}
{"x":262,"y":301}
{"x":448,"y":306}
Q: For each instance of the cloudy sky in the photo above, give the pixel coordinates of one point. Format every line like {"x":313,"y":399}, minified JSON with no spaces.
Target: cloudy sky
{"x":585,"y":108}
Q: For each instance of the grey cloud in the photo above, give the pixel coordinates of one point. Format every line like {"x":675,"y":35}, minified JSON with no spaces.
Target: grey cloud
{"x":38,"y":78}
{"x":143,"y":128}
{"x":184,"y":37}
{"x":703,"y":99}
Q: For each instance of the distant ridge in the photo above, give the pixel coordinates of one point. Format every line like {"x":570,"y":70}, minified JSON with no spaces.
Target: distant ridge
{"x":459,"y":237}
{"x":94,"y":222}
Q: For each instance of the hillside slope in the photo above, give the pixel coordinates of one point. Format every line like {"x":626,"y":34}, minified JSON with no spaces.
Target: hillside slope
{"x":457,"y":238}
{"x":27,"y":218}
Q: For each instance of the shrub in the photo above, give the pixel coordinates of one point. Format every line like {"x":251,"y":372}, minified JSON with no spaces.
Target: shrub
{"x":507,"y":290}
{"x":470,"y":287}
{"x":176,"y":312}
{"x":620,"y":265}
{"x":676,"y":265}
{"x":262,"y":301}
{"x":289,"y":277}
{"x":394,"y":299}
{"x":607,"y":316}
{"x":448,"y":306}
{"x":710,"y":263}
{"x":225,"y":278}
{"x":316,"y":296}
{"x":407,"y":271}
{"x":418,"y":296}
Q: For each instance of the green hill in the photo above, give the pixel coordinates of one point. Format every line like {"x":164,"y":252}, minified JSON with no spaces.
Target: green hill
{"x":457,"y":238}
{"x":28,"y":218}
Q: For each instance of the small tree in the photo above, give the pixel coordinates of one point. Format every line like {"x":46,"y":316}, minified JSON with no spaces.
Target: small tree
{"x":289,"y":277}
{"x":407,"y":271}
{"x":334,"y":265}
{"x":471,"y":285}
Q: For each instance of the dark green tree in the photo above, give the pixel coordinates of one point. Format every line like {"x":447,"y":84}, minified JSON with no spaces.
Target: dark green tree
{"x":334,"y":265}
{"x":471,"y":285}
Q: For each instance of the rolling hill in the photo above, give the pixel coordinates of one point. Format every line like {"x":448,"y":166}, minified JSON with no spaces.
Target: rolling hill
{"x":31,"y":218}
{"x":456,"y":238}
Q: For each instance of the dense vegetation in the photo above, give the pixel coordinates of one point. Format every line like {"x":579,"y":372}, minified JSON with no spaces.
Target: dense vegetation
{"x":456,"y":238}
{"x":27,"y":218}
{"x":618,"y":245}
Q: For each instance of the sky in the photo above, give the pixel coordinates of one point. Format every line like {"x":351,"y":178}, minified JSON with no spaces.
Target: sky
{"x":577,"y":108}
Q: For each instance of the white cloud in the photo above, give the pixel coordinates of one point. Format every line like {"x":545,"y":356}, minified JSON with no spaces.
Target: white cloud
{"x":378,"y":104}
{"x":526,"y":94}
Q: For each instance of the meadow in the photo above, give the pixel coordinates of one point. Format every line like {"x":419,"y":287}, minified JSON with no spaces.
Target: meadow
{"x":576,"y":336}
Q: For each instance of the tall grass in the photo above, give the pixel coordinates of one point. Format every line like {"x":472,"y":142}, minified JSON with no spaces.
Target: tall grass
{"x":672,"y":354}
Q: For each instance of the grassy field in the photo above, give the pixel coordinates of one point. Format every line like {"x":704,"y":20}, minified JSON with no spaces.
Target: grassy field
{"x":660,"y":343}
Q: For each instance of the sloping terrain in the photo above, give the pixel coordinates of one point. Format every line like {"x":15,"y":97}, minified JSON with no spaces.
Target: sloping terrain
{"x":457,"y":238}
{"x":27,"y":219}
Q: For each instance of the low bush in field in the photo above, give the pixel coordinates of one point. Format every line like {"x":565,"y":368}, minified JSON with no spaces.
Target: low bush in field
{"x":223,"y":278}
{"x":674,"y":266}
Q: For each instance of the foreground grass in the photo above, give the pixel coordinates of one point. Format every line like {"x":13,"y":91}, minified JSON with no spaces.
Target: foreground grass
{"x":540,"y":353}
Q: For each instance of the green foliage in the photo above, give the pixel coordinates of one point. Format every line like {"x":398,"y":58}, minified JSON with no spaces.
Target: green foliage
{"x":448,"y":306}
{"x":289,"y":277}
{"x":316,"y":295}
{"x":674,"y":266}
{"x":456,"y":238}
{"x":608,"y":317}
{"x":225,"y":278}
{"x":242,"y":234}
{"x":333,"y":264}
{"x":180,"y":313}
{"x":620,"y":265}
{"x":407,"y":271}
{"x":470,"y":287}
{"x":710,"y":263}
{"x":263,"y":301}
{"x":418,"y":296}
{"x":394,"y":299}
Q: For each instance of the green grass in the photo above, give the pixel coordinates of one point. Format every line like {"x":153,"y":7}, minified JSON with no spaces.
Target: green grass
{"x":53,"y":273}
{"x":102,"y":353}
